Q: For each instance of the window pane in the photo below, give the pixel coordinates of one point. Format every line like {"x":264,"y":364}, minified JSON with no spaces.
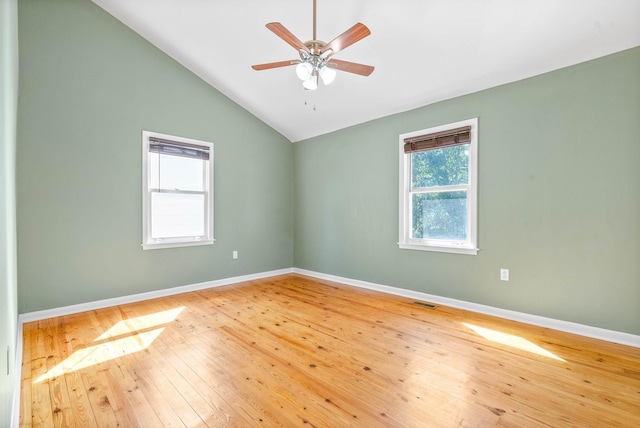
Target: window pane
{"x":176,"y":172}
{"x":176,"y":215}
{"x":440,"y":167}
{"x":440,"y":215}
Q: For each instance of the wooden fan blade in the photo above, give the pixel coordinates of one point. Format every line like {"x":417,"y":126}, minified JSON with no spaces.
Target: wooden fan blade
{"x":358,"y":32}
{"x":270,"y":65}
{"x":286,"y":35}
{"x":350,"y":67}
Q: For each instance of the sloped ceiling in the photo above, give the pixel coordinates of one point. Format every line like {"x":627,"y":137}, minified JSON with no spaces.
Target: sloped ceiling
{"x":423,"y":51}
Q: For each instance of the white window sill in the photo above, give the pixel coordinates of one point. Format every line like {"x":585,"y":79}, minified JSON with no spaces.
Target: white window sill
{"x":158,"y":246}
{"x":440,"y":249}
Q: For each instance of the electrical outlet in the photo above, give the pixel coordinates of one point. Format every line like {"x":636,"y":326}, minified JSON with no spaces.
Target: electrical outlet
{"x":504,"y":274}
{"x":235,"y":255}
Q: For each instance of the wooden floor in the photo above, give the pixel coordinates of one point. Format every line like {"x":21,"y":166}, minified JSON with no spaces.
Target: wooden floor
{"x":293,"y":351}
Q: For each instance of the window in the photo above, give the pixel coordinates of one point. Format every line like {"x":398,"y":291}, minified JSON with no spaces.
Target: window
{"x":177,"y":187}
{"x":438,"y":188}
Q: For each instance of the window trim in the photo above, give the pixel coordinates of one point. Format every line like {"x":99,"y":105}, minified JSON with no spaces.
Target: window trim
{"x":147,"y":242}
{"x":405,"y":211}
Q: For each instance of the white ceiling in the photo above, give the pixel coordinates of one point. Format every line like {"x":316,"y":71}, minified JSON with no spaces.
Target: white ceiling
{"x":423,"y":50}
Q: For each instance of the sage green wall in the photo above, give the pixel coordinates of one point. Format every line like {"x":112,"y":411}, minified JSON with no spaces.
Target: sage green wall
{"x":559,"y":198}
{"x":88,"y":87}
{"x":8,"y":282}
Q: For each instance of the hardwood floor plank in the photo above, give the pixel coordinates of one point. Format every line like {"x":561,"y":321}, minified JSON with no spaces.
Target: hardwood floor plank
{"x":98,"y":393}
{"x":42,"y":412}
{"x":296,"y":351}
{"x":25,"y":381}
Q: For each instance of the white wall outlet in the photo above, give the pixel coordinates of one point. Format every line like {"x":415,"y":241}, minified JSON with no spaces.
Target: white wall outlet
{"x":235,"y":254}
{"x":504,"y":274}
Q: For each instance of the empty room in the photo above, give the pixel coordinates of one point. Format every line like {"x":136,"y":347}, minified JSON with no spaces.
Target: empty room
{"x":319,"y":213}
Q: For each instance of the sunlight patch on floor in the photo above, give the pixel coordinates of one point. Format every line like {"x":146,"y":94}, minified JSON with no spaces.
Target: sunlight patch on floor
{"x":104,"y":352}
{"x":511,"y":340}
{"x":112,"y":347}
{"x":140,"y":323}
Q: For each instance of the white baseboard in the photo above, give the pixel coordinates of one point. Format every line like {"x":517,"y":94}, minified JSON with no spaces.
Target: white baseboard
{"x":566,"y":326}
{"x":99,"y":304}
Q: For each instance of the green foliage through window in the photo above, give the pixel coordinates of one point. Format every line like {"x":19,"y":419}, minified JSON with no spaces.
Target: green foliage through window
{"x":441,"y":215}
{"x":440,"y":167}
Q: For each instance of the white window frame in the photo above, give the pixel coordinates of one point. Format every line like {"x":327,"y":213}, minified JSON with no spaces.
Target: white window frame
{"x":149,"y":243}
{"x":470,"y":246}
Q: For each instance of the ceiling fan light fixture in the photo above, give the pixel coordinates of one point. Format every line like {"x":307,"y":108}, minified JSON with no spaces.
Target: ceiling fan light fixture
{"x":304,"y":70}
{"x":327,"y":75}
{"x":315,"y":54}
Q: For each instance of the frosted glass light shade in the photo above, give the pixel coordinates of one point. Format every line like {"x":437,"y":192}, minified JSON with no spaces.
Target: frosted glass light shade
{"x":304,"y":70}
{"x":311,"y":83}
{"x":327,"y":74}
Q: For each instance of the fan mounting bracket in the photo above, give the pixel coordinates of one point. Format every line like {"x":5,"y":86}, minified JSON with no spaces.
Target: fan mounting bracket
{"x":315,"y":46}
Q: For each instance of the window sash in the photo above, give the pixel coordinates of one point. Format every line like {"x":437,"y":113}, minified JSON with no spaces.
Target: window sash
{"x":439,"y":241}
{"x":156,"y":165}
{"x":205,"y":213}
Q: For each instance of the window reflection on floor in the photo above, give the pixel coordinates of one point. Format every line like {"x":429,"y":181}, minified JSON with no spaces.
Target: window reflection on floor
{"x":511,"y":340}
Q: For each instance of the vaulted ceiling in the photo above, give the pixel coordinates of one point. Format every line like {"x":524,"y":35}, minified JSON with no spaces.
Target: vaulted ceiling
{"x":423,"y":51}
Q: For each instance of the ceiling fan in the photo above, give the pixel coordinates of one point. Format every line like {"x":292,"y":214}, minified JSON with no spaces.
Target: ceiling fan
{"x":316,"y":57}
